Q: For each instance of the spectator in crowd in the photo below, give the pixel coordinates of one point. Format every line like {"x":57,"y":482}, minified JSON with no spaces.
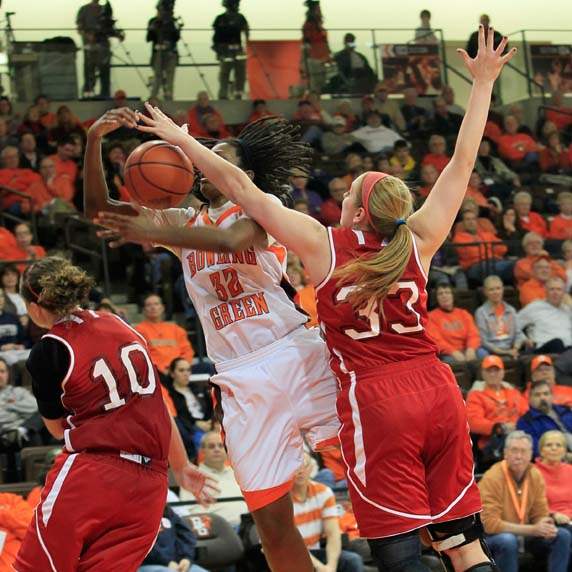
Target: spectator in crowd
{"x":517,"y":111}
{"x":402,"y":157}
{"x":515,"y":507}
{"x":10,"y":284}
{"x":536,"y":287}
{"x":494,"y":409}
{"x":557,"y":474}
{"x":511,"y":231}
{"x":557,"y":112}
{"x":18,"y":407}
{"x":299,"y":181}
{"x":479,"y":260}
{"x":354,"y":72}
{"x":494,"y":169}
{"x":331,"y":209}
{"x":344,"y":109}
{"x":16,"y":178}
{"x":473,"y":43}
{"x":561,"y":225}
{"x":429,"y":175}
{"x":443,"y":121}
{"x":31,"y":123}
{"x":29,"y":155}
{"x":519,"y":149}
{"x":174,"y":548}
{"x":543,"y":415}
{"x":548,"y":323}
{"x":14,"y":344}
{"x":483,"y":223}
{"x":385,"y":106}
{"x":415,"y":116}
{"x":542,"y":369}
{"x":448,"y":94}
{"x":567,"y":262}
{"x":475,"y":190}
{"x":214,"y":127}
{"x":193,"y":407}
{"x":316,"y":50}
{"x":555,"y":157}
{"x":316,"y":516}
{"x":25,"y":250}
{"x":497,"y":321}
{"x":6,"y":138}
{"x":533,"y":246}
{"x":353,"y":167}
{"x":336,"y":141}
{"x":66,"y":124}
{"x":453,"y":329}
{"x":437,"y":155}
{"x":302,"y":206}
{"x":51,"y":186}
{"x":259,"y":110}
{"x":374,"y":136}
{"x":312,"y":121}
{"x":424,"y":33}
{"x":7,"y":112}
{"x":198,"y":113}
{"x":166,"y":340}
{"x":7,"y":243}
{"x":530,"y":220}
{"x":15,"y":517}
{"x":215,"y":463}
{"x":47,"y":117}
{"x":64,"y":159}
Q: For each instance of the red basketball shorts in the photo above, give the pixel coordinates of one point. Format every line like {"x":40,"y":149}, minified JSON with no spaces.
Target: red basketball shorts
{"x":97,"y":512}
{"x":405,"y":442}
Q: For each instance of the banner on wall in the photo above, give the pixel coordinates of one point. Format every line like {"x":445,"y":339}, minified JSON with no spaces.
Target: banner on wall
{"x":412,"y":65}
{"x":273,"y":67}
{"x":552,"y":66}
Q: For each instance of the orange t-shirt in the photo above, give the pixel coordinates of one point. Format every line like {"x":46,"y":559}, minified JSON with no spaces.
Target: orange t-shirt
{"x":167,"y":341}
{"x":530,"y":291}
{"x":67,"y":167}
{"x":438,"y":161}
{"x":477,"y":196}
{"x":523,"y":269}
{"x":453,"y":331}
{"x":561,"y":394}
{"x":15,"y":517}
{"x":333,"y":460}
{"x":42,"y":194}
{"x":7,"y":243}
{"x":17,"y":253}
{"x":306,"y":299}
{"x":470,"y":255}
{"x":514,"y":147}
{"x":17,"y":180}
{"x":561,"y":227}
{"x":534,"y":223}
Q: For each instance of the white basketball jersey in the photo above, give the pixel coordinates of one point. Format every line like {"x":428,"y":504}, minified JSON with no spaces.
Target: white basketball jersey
{"x":239,"y":297}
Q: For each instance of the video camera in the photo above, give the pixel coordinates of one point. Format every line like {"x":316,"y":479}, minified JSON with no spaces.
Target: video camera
{"x":107,"y":27}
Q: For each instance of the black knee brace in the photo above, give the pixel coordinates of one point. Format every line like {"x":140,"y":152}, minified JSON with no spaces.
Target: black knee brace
{"x":456,"y":533}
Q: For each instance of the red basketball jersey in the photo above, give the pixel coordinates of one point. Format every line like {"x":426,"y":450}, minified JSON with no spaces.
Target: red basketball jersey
{"x":367,"y":338}
{"x":111,"y":388}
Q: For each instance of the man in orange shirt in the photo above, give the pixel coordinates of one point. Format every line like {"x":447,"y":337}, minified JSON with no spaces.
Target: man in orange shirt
{"x":16,"y":178}
{"x":454,"y":329}
{"x":518,"y":148}
{"x":64,"y":159}
{"x":166,"y":340}
{"x":542,"y":369}
{"x":497,"y":406}
{"x":481,"y":259}
{"x":561,"y":225}
{"x":535,"y":288}
{"x":51,"y":186}
{"x":529,"y":220}
{"x":533,"y":246}
{"x":24,"y":249}
{"x":198,"y":113}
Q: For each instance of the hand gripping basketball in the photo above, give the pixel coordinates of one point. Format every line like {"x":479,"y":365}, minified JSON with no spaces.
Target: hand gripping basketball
{"x":204,"y":487}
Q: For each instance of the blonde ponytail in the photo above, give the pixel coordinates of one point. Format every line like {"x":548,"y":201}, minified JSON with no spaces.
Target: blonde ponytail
{"x":390,"y":204}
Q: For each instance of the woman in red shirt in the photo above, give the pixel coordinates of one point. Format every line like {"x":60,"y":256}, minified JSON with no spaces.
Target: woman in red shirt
{"x":316,"y":51}
{"x":514,"y":146}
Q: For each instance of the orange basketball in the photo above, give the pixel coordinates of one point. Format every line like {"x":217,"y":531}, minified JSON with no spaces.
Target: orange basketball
{"x":158,"y":175}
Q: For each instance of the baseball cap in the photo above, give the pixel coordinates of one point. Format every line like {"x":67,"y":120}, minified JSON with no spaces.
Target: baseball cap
{"x":540,"y":360}
{"x":492,"y":361}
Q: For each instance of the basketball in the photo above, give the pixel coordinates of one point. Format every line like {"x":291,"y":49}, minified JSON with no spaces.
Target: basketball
{"x":158,"y":175}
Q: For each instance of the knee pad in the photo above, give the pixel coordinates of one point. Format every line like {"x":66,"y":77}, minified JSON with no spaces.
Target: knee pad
{"x":456,"y":533}
{"x":400,"y":553}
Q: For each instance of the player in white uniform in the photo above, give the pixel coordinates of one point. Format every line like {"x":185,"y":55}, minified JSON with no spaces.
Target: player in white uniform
{"x":275,"y":384}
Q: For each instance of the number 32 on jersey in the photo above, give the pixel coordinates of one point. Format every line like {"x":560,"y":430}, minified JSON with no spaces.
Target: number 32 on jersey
{"x":370,"y":315}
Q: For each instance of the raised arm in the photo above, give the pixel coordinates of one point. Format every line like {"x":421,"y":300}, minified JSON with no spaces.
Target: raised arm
{"x":298,"y":232}
{"x":95,"y":191}
{"x":433,"y":221}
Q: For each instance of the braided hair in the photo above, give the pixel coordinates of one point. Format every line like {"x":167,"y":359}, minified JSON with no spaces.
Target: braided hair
{"x":271,"y":148}
{"x":55,"y":284}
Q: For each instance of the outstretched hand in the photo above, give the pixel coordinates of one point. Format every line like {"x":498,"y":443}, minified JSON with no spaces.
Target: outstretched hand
{"x":161,"y":125}
{"x":114,"y":119}
{"x":126,"y":228}
{"x":204,"y":487}
{"x":488,"y":63}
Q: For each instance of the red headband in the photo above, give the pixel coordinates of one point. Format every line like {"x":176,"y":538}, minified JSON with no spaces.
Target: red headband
{"x":369,"y":181}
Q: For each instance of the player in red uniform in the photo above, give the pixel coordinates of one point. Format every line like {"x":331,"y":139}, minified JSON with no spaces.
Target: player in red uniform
{"x":96,"y":388}
{"x":404,"y":429}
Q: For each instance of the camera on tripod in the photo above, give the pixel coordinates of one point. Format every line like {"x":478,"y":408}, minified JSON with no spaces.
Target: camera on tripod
{"x":107,"y":25}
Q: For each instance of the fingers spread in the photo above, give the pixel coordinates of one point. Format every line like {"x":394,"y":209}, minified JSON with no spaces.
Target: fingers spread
{"x":502,"y":45}
{"x":481,"y":38}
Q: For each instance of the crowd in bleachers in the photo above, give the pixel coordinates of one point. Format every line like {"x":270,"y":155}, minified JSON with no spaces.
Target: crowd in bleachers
{"x":501,"y":312}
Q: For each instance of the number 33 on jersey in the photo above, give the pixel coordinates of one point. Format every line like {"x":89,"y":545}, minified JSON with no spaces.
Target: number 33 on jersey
{"x":364,"y":337}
